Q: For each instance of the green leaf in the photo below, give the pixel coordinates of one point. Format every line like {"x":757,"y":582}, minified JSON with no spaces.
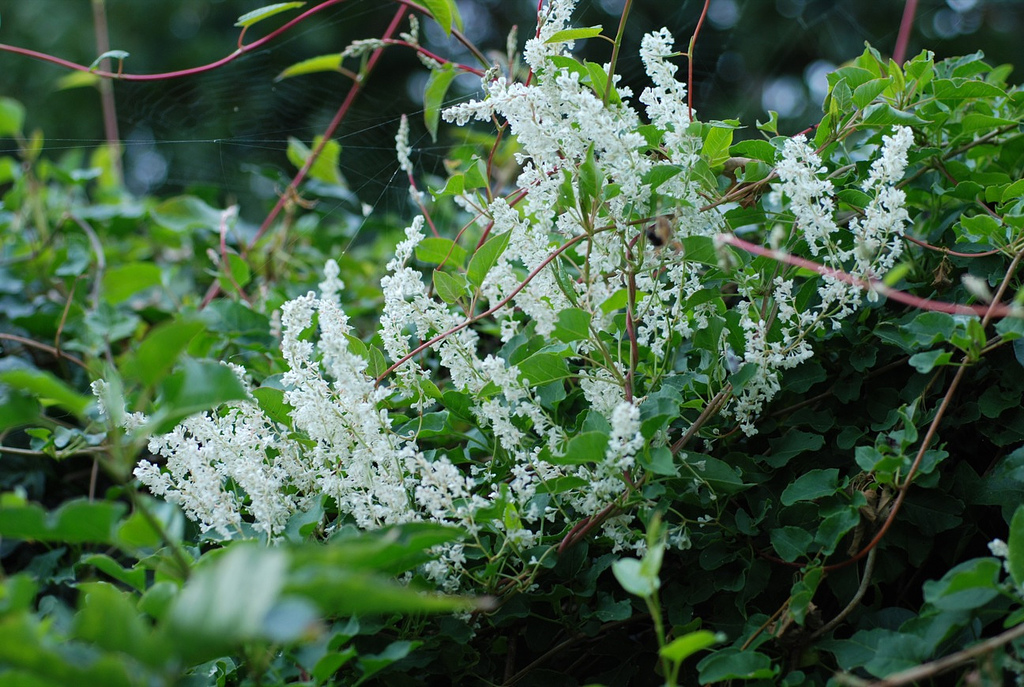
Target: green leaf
{"x":445,"y":13}
{"x":450,"y":287}
{"x":811,"y":485}
{"x":12,"y":117}
{"x":485,"y":258}
{"x":433,"y":96}
{"x":790,"y":542}
{"x":160,"y":350}
{"x":122,"y":282}
{"x":566,"y":35}
{"x":119,"y":55}
{"x":441,"y":251}
{"x":186,"y":213}
{"x":46,"y":388}
{"x":76,"y":521}
{"x":135,"y":578}
{"x":585,"y":447}
{"x":734,"y":664}
{"x":541,"y":368}
{"x":868,"y":91}
{"x":314,"y":65}
{"x":196,"y":387}
{"x":966,"y":587}
{"x":1015,"y":547}
{"x":573,"y":325}
{"x":326,"y":167}
{"x":681,"y":648}
{"x":271,"y":402}
{"x":716,"y":145}
{"x":791,"y":444}
{"x":926,"y":361}
{"x":634,"y":578}
{"x":258,"y":15}
{"x":659,"y":174}
{"x":590,"y":182}
{"x":227,"y":600}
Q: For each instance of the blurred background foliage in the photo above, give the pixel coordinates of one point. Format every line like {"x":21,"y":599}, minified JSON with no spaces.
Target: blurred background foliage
{"x":223,"y":134}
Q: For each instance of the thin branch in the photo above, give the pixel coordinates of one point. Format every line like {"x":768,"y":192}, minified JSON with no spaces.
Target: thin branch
{"x":55,"y":352}
{"x":876,"y":285}
{"x":162,"y":76}
{"x":941,"y":665}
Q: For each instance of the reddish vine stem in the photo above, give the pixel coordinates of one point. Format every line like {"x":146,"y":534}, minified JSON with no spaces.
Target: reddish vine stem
{"x":928,"y":246}
{"x":162,"y":76}
{"x":876,"y":285}
{"x":899,"y":53}
{"x":689,"y":58}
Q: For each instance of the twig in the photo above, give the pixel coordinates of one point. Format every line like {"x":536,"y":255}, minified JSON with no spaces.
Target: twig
{"x":865,"y":582}
{"x":941,"y":665}
{"x":56,"y":353}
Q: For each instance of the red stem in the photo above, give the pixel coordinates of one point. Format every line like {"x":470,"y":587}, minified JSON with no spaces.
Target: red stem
{"x":899,"y":53}
{"x":996,"y":310}
{"x":175,"y":74}
{"x":689,"y":59}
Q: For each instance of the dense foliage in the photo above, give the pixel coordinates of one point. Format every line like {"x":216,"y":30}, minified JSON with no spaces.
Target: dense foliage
{"x":647,"y":404}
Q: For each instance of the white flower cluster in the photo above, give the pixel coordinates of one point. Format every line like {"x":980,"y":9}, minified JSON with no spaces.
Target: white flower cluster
{"x":867,"y":249}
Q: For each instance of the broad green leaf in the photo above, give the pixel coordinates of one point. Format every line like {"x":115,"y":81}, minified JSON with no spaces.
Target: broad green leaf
{"x":811,"y":485}
{"x":135,"y":578}
{"x":12,"y":117}
{"x":966,"y":587}
{"x":790,"y":542}
{"x":541,"y":368}
{"x":433,"y":96}
{"x":485,"y":258}
{"x":314,"y":65}
{"x":634,"y":579}
{"x":659,"y":174}
{"x":586,"y":447}
{"x":185,"y":213}
{"x":271,"y":402}
{"x":716,"y":145}
{"x":196,"y":387}
{"x":436,"y":250}
{"x":868,"y":91}
{"x":258,"y":15}
{"x":589,"y":182}
{"x":734,"y":664}
{"x":926,"y":361}
{"x":445,"y":13}
{"x":374,"y":663}
{"x":450,"y":287}
{"x":573,"y":325}
{"x":791,"y":444}
{"x":226,"y":600}
{"x":122,"y":282}
{"x":1015,"y":547}
{"x":566,"y":35}
{"x":46,"y":388}
{"x":560,"y":485}
{"x":107,"y":618}
{"x":681,"y":648}
{"x":75,"y":521}
{"x":160,"y":350}
{"x":325,"y":168}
